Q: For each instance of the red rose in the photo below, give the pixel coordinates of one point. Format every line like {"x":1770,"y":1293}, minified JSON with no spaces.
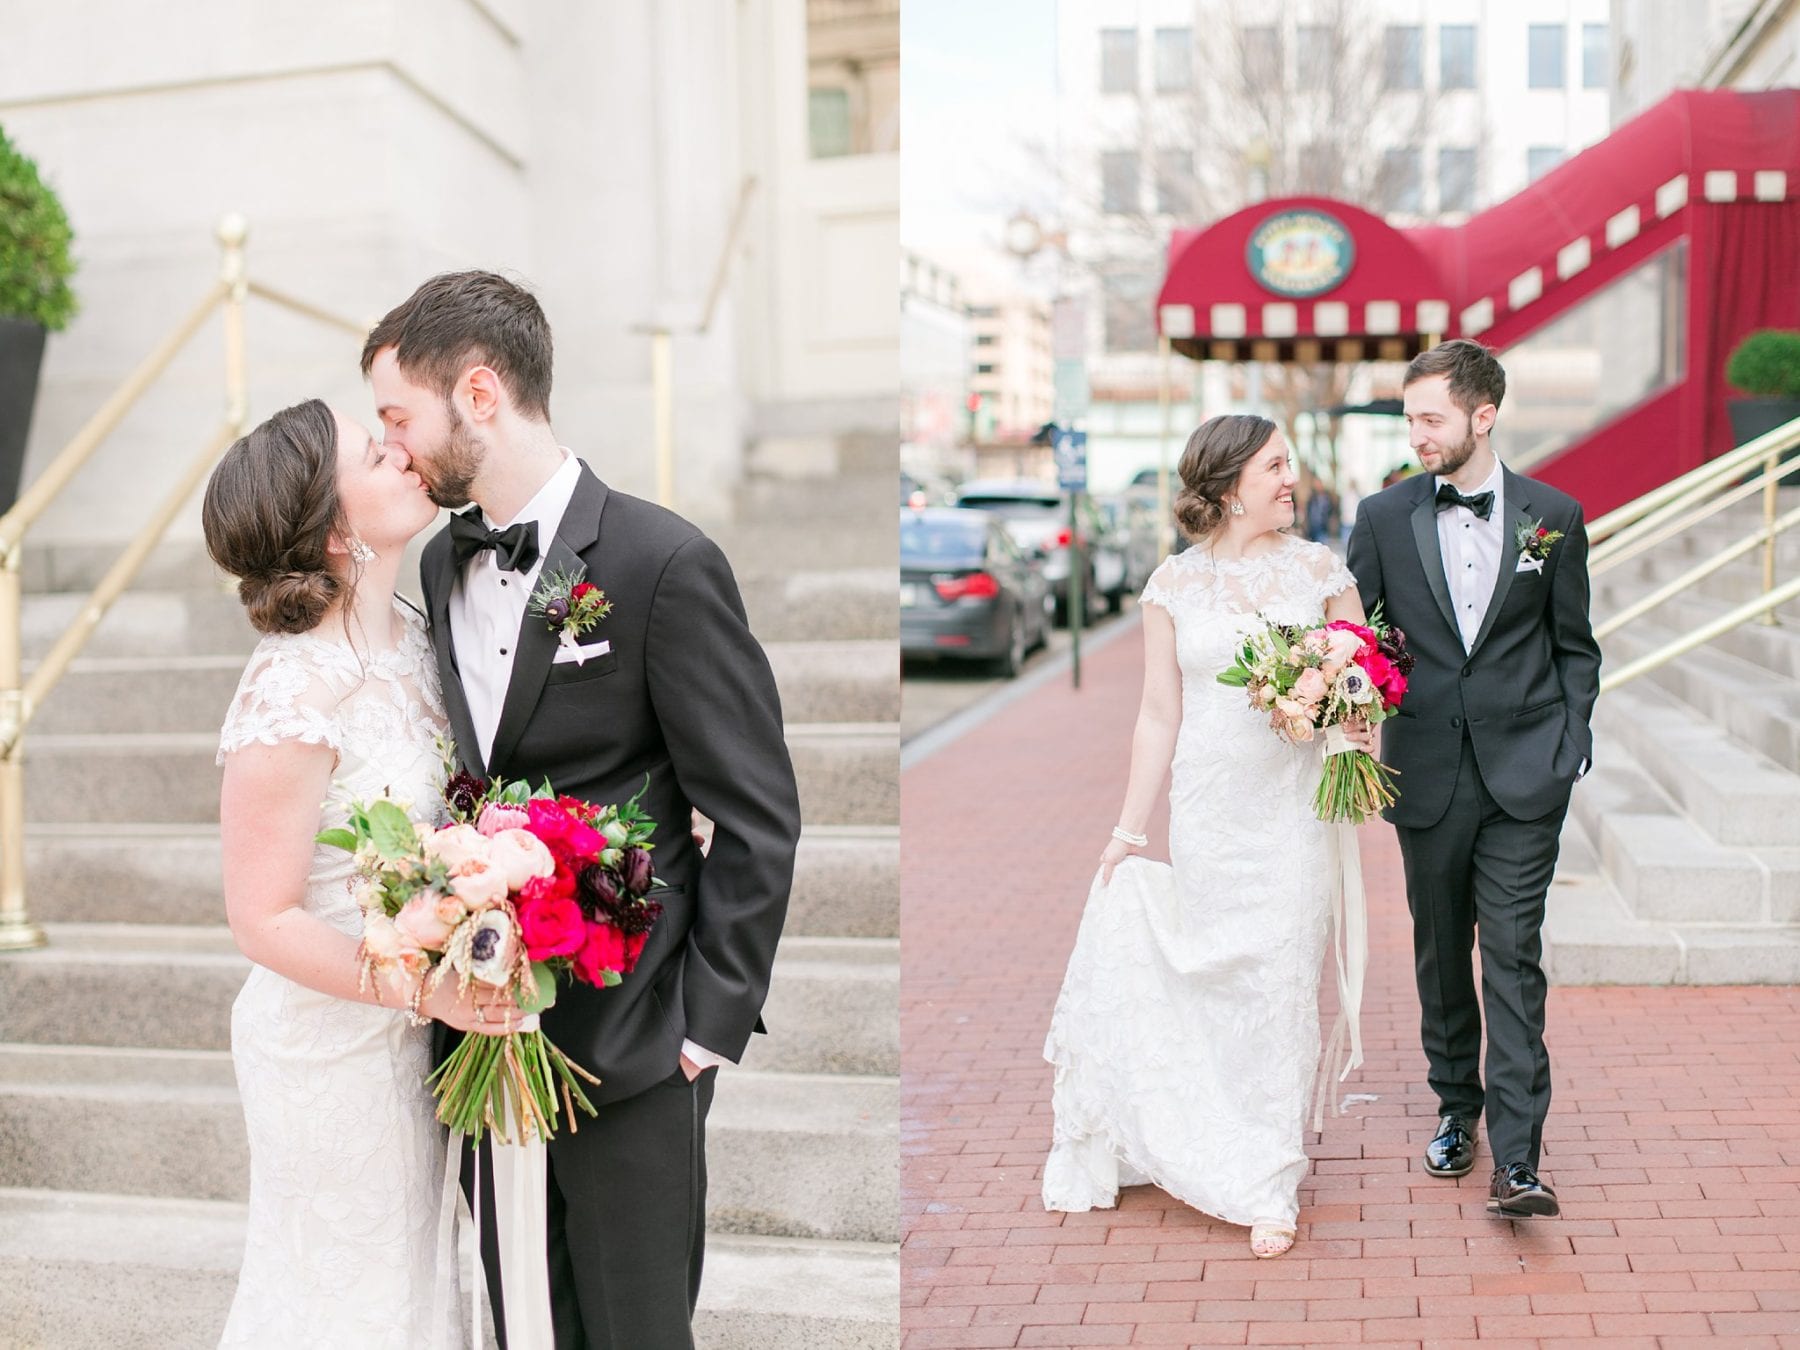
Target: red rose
{"x":602,"y":950}
{"x":549,"y":822}
{"x":1366,"y":634}
{"x":552,"y":927}
{"x":584,"y":841}
{"x":1394,"y":690}
{"x":634,"y":948}
{"x":559,"y":885}
{"x":1543,"y":533}
{"x":583,"y":590}
{"x":1377,"y":667}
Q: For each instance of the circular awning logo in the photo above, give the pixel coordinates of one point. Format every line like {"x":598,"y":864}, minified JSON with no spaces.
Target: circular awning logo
{"x":1301,"y":253}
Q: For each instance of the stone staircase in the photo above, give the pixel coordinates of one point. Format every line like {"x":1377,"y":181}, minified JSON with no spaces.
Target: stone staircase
{"x":1681,"y":858}
{"x":123,"y":1166}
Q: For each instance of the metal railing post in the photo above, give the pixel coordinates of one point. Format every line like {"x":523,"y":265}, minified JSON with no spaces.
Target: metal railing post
{"x":1770,"y":488}
{"x":233,"y":231}
{"x":17,"y":931}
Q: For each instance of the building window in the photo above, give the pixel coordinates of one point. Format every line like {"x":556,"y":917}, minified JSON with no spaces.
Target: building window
{"x":984,"y":369}
{"x":1118,"y":61}
{"x":828,"y":122}
{"x":1540,"y":159}
{"x":1262,"y":57}
{"x":1400,"y":176}
{"x":1318,"y":166}
{"x":1403,"y":57}
{"x":1547,"y":57}
{"x":984,"y":339}
{"x":1118,"y":181}
{"x":1174,"y":182}
{"x":1593,"y":56}
{"x":1312,"y":55}
{"x":1174,"y":60}
{"x":1456,"y":56}
{"x":1130,"y":302}
{"x":1456,"y":179}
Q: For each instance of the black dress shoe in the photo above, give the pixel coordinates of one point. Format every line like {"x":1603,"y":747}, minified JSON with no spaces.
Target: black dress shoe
{"x":1452,"y":1152}
{"x":1517,"y":1193}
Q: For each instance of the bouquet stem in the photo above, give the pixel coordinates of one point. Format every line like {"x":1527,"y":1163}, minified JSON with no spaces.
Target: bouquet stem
{"x":522,"y":1071}
{"x":1355,"y":786}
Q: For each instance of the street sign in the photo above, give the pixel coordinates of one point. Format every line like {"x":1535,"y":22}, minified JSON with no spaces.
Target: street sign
{"x":1071,"y":460}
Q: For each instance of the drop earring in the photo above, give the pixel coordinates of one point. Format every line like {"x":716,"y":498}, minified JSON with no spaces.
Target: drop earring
{"x":1237,"y":508}
{"x":361,"y":551}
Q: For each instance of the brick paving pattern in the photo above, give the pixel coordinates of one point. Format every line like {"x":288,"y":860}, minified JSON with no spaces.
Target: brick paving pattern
{"x":1673,"y":1139}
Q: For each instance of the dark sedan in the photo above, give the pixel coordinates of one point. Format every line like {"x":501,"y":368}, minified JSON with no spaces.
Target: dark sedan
{"x":967,"y":590}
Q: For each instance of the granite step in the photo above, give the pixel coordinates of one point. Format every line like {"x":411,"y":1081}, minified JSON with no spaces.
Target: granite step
{"x":848,"y":775}
{"x":846,"y":681}
{"x":833,"y":1007}
{"x":789,"y":1155}
{"x":84,"y":1271}
{"x":846,"y":877}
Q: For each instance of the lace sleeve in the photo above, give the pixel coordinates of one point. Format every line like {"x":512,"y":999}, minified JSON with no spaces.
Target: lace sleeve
{"x":1333,"y":577}
{"x":1157,"y":590}
{"x":282,"y":697}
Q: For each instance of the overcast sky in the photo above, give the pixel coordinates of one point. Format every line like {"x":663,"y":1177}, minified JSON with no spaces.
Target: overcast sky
{"x":978,"y":80}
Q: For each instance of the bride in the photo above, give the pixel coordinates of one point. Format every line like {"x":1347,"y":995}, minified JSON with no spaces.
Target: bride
{"x":340,"y":702}
{"x":1185,"y":1039}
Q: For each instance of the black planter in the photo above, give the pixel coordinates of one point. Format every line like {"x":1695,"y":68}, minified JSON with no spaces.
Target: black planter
{"x":21,"y":356}
{"x":1753,"y":417}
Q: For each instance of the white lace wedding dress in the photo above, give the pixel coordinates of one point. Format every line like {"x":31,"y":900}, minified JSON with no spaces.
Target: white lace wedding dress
{"x":1186,"y":1037}
{"x":347,"y":1174}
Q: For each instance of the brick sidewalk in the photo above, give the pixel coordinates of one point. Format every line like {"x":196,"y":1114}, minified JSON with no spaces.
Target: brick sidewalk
{"x":1673,"y":1140}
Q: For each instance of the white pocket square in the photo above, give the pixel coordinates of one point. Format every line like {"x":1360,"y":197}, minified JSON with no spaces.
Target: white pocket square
{"x":580,"y":654}
{"x":1529,"y":564}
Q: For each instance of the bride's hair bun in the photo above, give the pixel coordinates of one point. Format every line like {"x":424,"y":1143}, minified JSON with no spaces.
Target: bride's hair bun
{"x":1210,"y":465}
{"x":289,"y":602}
{"x":271,"y":507}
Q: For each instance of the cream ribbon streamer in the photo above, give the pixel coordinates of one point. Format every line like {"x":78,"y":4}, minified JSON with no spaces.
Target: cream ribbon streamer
{"x":521,"y":1222}
{"x":1350,"y":949}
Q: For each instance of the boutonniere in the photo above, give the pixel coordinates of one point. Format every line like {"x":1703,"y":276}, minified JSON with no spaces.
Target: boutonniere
{"x":570,"y":605}
{"x":1535,"y":543}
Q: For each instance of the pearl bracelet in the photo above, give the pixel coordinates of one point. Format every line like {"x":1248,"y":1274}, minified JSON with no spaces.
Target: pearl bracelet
{"x":1125,"y":836}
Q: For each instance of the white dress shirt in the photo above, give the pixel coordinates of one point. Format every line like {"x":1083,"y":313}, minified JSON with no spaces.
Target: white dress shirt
{"x":487,"y":613}
{"x":1472,"y":549}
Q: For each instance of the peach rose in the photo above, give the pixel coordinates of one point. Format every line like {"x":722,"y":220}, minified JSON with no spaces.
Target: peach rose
{"x":422,"y":921}
{"x":1344,"y":644}
{"x":519,"y":855}
{"x":478,"y":883}
{"x":1310,"y":687}
{"x":457,"y":844}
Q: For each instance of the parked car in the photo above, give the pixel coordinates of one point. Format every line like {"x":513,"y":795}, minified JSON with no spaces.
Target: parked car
{"x":1125,"y":553}
{"x":967,"y":590}
{"x":1036,"y":515}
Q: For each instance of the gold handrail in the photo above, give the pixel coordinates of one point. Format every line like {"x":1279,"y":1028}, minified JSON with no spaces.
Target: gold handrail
{"x":1696,"y":482}
{"x":20,"y":700}
{"x":1682,"y":503}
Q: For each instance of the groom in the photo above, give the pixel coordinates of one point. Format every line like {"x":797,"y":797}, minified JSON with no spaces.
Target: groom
{"x":670,"y":687}
{"x":1486,"y":573}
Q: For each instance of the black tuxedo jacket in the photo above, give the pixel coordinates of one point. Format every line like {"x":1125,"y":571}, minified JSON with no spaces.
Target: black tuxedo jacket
{"x":686,"y":697}
{"x":1525,"y":693}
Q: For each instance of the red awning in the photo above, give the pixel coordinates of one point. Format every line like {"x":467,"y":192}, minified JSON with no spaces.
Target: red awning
{"x":1494,"y":276}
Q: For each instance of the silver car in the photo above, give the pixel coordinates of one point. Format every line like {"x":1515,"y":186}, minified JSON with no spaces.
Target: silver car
{"x":1036,"y":515}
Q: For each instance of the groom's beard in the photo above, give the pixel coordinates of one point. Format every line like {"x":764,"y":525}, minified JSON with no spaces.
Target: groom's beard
{"x":1454,"y":459}
{"x":454,"y":464}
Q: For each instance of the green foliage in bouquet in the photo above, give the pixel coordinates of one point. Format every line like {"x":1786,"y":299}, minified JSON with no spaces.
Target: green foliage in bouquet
{"x":35,"y":262}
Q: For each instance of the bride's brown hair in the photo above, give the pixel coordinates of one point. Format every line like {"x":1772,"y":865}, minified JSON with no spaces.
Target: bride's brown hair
{"x":271,"y":507}
{"x":1215,"y":455}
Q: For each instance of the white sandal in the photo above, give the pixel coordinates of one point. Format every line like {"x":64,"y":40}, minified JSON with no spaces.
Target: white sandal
{"x":1270,"y":1239}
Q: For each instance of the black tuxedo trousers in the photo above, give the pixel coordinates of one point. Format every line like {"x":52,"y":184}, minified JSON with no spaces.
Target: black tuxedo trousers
{"x":1487,"y":744}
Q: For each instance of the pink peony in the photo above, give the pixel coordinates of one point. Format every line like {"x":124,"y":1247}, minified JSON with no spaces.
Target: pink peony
{"x":496,"y":817}
{"x":552,"y":927}
{"x":1377,"y":667}
{"x":456,"y":845}
{"x":423,"y":922}
{"x":478,"y":884}
{"x":520,"y":856}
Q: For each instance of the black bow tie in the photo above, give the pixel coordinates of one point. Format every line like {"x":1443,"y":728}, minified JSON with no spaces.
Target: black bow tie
{"x":515,"y":547}
{"x":1482,"y":503}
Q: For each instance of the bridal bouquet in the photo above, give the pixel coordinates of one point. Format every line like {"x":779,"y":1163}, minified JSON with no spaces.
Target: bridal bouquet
{"x":1313,"y":680}
{"x":520,"y":887}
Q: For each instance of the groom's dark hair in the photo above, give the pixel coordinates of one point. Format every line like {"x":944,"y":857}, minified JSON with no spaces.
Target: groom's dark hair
{"x":459,"y":319}
{"x":1476,"y":377}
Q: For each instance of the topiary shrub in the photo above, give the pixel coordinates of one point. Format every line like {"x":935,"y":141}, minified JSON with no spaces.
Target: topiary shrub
{"x":35,"y":264}
{"x":1766,"y":364}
